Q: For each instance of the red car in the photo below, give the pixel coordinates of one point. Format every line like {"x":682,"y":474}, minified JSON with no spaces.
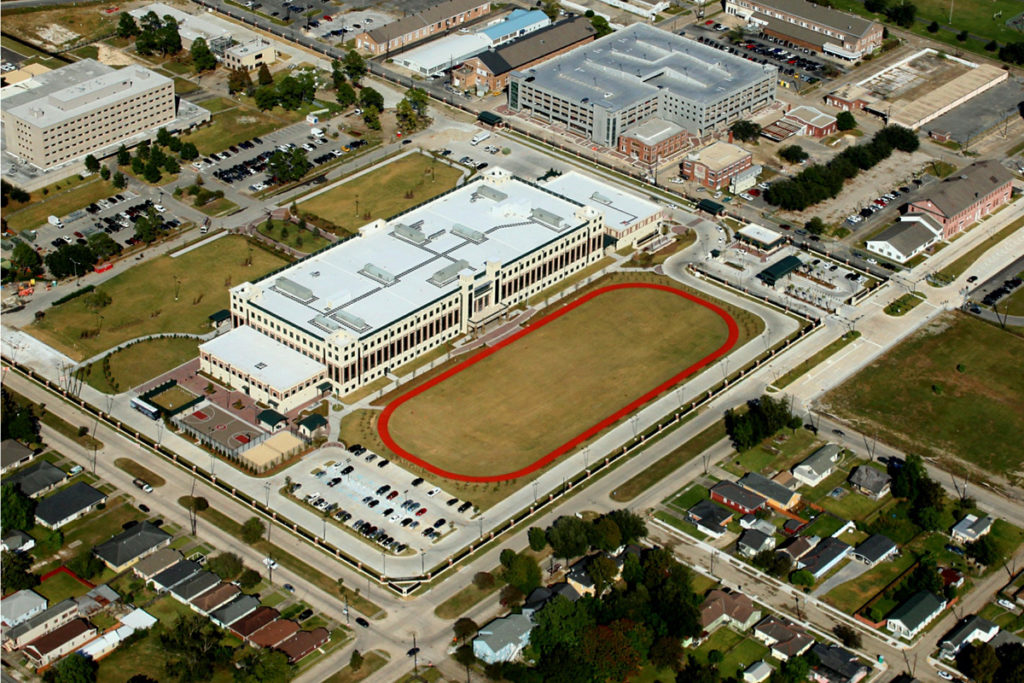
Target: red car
{"x":422,"y":511}
{"x":392,"y":495}
{"x":79,"y":235}
{"x":709,"y":23}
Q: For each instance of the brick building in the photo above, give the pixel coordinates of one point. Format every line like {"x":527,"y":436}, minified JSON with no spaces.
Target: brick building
{"x":716,"y":164}
{"x":815,"y":27}
{"x":434,"y":20}
{"x":965,"y":198}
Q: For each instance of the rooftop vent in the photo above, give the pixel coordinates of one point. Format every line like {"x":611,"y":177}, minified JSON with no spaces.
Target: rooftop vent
{"x":547,"y":218}
{"x":352,"y":321}
{"x":466,"y":233}
{"x":488,"y":192}
{"x":448,"y":274}
{"x":293,"y":289}
{"x":325,"y":323}
{"x":378,"y":274}
{"x":409,"y":233}
{"x":261,"y":366}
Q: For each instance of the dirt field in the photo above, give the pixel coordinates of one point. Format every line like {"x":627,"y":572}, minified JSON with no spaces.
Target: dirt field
{"x":554,"y":383}
{"x":55,"y":29}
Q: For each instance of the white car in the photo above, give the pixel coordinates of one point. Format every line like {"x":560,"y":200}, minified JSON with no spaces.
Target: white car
{"x":159,"y":208}
{"x":433,"y":492}
{"x":1006,"y":604}
{"x":270,"y":563}
{"x":744,"y":195}
{"x":945,"y":674}
{"x":717,"y":195}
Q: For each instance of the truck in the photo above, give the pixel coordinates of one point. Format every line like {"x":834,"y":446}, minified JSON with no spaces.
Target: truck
{"x":479,"y":137}
{"x":54,"y":221}
{"x":141,"y":483}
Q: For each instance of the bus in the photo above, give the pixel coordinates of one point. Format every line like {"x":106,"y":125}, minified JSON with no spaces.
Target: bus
{"x":147,"y":409}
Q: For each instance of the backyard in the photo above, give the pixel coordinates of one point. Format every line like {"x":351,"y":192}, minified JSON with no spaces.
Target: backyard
{"x":384,"y":192}
{"x":160,"y":295}
{"x":773,"y":455}
{"x":944,"y":391}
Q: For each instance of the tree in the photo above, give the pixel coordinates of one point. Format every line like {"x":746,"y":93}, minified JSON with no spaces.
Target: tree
{"x":776,"y":564}
{"x":202,"y":58}
{"x":16,"y":572}
{"x":192,"y":648}
{"x":265,"y":97}
{"x":17,"y":421}
{"x":124,"y":157}
{"x":522,"y":572}
{"x":239,"y":81}
{"x":70,"y":260}
{"x":105,"y":172}
{"x":337,"y":74}
{"x":602,"y":571}
{"x":119,"y":181}
{"x":979,"y":662}
{"x":933,"y":27}
{"x":605,"y":535}
{"x":355,"y":66}
{"x":249,"y":579}
{"x":371,"y":117}
{"x":346,"y":95}
{"x":86,"y":565}
{"x":483,"y":580}
{"x":170,"y":40}
{"x":225,"y":565}
{"x":847,"y":635}
{"x":666,"y":653}
{"x":25,"y":258}
{"x":794,"y":154}
{"x":876,"y":6}
{"x":715,"y":657}
{"x":92,"y":164}
{"x":601,"y":26}
{"x":152,"y":172}
{"x":985,"y":551}
{"x":561,"y":625}
{"x":802,"y":577}
{"x":260,"y":665}
{"x":368,"y":97}
{"x":355,"y":662}
{"x":126,"y":26}
{"x":188,"y":151}
{"x":906,"y":475}
{"x":406,"y":117}
{"x":845,"y":121}
{"x":263,"y":76}
{"x":253,"y":530}
{"x":815,"y":226}
{"x":568,"y":537}
{"x":75,"y":668}
{"x":611,"y":652}
{"x":550,"y":8}
{"x":962,"y":36}
{"x":465,"y":628}
{"x":17,"y":511}
{"x":163,"y":136}
{"x":991,"y":46}
{"x":631,"y":525}
{"x":745,"y":130}
{"x":511,"y":596}
{"x":104,"y":247}
{"x":172,"y":166}
{"x":538,"y":539}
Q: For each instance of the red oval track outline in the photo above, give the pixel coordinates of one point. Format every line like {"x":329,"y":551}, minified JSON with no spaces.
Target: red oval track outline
{"x":389,"y":410}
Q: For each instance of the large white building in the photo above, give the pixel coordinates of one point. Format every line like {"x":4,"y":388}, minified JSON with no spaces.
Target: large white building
{"x":402,"y":287}
{"x":628,"y":218}
{"x":83,"y":107}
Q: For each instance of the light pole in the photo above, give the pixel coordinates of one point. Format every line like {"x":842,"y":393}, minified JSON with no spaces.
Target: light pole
{"x":383,"y":564}
{"x":534,"y":491}
{"x":270,"y":523}
{"x":423,"y":555}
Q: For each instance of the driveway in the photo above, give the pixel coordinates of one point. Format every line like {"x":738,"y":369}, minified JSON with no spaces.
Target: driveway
{"x":851,"y":571}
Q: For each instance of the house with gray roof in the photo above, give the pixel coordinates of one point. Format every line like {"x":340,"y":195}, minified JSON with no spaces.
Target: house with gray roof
{"x":870,"y":481}
{"x":175,"y":574}
{"x":777,"y":495}
{"x":836,"y":665}
{"x":131,"y":545}
{"x":910,"y":618}
{"x":758,"y":672}
{"x":785,"y":638}
{"x":17,"y":541}
{"x":502,"y":639}
{"x":913,"y":234}
{"x":37,"y":479}
{"x":195,"y":586}
{"x":709,"y":517}
{"x":20,"y":607}
{"x":68,"y":504}
{"x":152,"y":565}
{"x":732,"y":495}
{"x":965,"y":197}
{"x":539,"y":597}
{"x":13,"y":454}
{"x":968,"y":630}
{"x":234,"y":610}
{"x":823,"y":557}
{"x":755,"y":522}
{"x":874,"y":549}
{"x":753,"y":542}
{"x":818,"y":465}
{"x":971,"y":528}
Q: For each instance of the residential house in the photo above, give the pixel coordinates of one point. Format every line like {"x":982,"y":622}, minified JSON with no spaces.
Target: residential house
{"x":753,"y":542}
{"x":231,"y":612}
{"x":870,"y":481}
{"x":502,"y":639}
{"x":578,"y":576}
{"x":68,"y":504}
{"x":758,"y":672}
{"x":755,"y":522}
{"x":131,"y":545}
{"x":214,"y":598}
{"x":836,"y":665}
{"x":150,"y":566}
{"x":951,"y":577}
{"x":13,"y":454}
{"x":98,"y":598}
{"x":818,"y":465}
{"x":735,"y":610}
{"x":254,"y":621}
{"x":274,"y":633}
{"x":303,"y":643}
{"x":195,"y":586}
{"x":17,"y":542}
{"x":709,"y":517}
{"x":64,"y":640}
{"x":971,"y":528}
{"x":777,"y":495}
{"x":784,"y":638}
{"x":37,"y":479}
{"x":19,"y":607}
{"x":912,"y":616}
{"x":827,"y":554}
{"x":968,"y":630}
{"x":874,"y":549}
{"x":542,"y":595}
{"x":733,"y":496}
{"x":799,"y":546}
{"x":965,"y":197}
{"x":313,"y":425}
{"x":175,"y":574}
{"x":40,"y":624}
{"x":271,"y":420}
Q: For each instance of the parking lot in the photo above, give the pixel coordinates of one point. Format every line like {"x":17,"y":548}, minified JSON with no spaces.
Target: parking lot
{"x":337,"y":28}
{"x":379,"y":501}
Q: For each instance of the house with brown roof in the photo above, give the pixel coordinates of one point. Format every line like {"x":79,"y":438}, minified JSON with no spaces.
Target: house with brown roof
{"x":966,"y":197}
{"x":162,"y":559}
{"x":254,"y":621}
{"x":412,"y":28}
{"x":41,"y":624}
{"x":732,"y":609}
{"x":274,"y":633}
{"x":785,"y":638}
{"x":799,"y":547}
{"x":54,"y":645}
{"x":215,"y":597}
{"x":303,"y":642}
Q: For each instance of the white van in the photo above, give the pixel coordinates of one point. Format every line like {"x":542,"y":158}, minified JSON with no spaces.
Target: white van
{"x":479,"y":137}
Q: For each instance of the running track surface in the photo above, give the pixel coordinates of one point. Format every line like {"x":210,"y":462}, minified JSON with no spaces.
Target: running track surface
{"x":389,"y":410}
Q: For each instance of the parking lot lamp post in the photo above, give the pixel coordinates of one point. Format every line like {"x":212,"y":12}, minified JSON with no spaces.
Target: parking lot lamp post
{"x":481,"y":526}
{"x":383,"y":564}
{"x":270,"y":523}
{"x":423,"y":554}
{"x":535,"y":492}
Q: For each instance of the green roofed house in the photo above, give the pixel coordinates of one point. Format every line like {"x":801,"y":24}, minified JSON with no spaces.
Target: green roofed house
{"x":912,"y":616}
{"x":131,"y":545}
{"x":779,"y":270}
{"x":313,"y":425}
{"x":272,"y":420}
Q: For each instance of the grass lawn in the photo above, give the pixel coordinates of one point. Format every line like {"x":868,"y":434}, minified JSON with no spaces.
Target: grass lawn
{"x":371,"y":662}
{"x":741,"y":656}
{"x":383,"y":193}
{"x":773,"y":455}
{"x":61,"y":587}
{"x":467,"y":597}
{"x":681,"y":524}
{"x":634,"y":342}
{"x":289,"y":233}
{"x":853,"y":505}
{"x":233,"y":126}
{"x":218,"y":104}
{"x":58,"y":201}
{"x":184,"y":87}
{"x":173,"y":397}
{"x":652,"y":674}
{"x":144,"y":297}
{"x":723,"y":640}
{"x":100,"y":526}
{"x":141,"y":362}
{"x":689,"y":498}
{"x":1013,"y":304}
{"x":218,"y":207}
{"x":136,"y":470}
{"x":816,"y":359}
{"x":852,"y":595}
{"x":915,"y":397}
{"x":957,"y":267}
{"x":904,"y":304}
{"x":669,"y":463}
{"x":35,"y":24}
{"x":824,"y":525}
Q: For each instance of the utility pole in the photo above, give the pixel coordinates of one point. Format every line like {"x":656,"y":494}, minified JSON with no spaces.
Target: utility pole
{"x":270,"y":522}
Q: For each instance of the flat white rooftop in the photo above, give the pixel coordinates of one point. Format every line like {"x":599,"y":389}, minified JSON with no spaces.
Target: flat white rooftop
{"x":759,"y":233}
{"x":621,"y":209}
{"x":395,"y":267}
{"x":262,"y":358}
{"x":444,"y":53}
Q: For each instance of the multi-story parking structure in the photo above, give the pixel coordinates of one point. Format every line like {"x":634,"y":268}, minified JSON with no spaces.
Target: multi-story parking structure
{"x":83,"y":107}
{"x":406,"y":285}
{"x":604,"y":89}
{"x":813,"y":26}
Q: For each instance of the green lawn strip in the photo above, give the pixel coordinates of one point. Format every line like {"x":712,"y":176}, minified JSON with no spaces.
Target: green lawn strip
{"x":944,"y":391}
{"x":669,"y":463}
{"x":60,"y":587}
{"x":816,"y":359}
{"x":680,"y":524}
{"x":652,"y":674}
{"x":775,"y":454}
{"x":215,"y":105}
{"x":904,"y":304}
{"x":689,"y":498}
{"x":141,"y":362}
{"x":218,"y":207}
{"x":231,"y":127}
{"x":851,"y":596}
{"x":139,"y":471}
{"x":60,"y":203}
{"x":325,"y":583}
{"x":69,"y":430}
{"x":467,"y":597}
{"x":1012,"y":305}
{"x":825,"y":525}
{"x":957,"y":268}
{"x":818,"y":494}
{"x":723,"y":639}
{"x":160,"y":295}
{"x":288,"y":233}
{"x":431,"y":675}
{"x":184,"y":87}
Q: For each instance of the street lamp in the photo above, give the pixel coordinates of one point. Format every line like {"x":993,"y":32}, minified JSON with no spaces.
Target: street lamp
{"x":270,"y":523}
